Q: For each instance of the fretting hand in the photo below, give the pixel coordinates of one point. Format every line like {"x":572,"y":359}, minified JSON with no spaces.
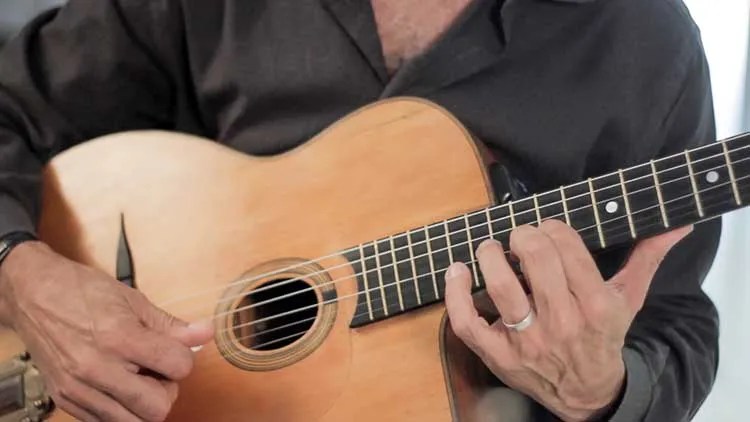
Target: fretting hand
{"x":562,"y":344}
{"x":92,"y":337}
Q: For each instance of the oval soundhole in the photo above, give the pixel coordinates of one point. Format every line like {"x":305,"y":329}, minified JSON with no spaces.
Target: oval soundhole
{"x":275,"y":314}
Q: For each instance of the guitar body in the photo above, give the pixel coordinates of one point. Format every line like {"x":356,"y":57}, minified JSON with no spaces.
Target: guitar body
{"x":199,"y":216}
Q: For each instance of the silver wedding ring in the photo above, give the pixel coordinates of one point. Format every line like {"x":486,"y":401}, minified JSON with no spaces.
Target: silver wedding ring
{"x":522,"y":324}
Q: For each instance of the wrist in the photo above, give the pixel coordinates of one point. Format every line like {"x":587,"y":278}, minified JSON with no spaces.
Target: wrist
{"x":14,"y":272}
{"x":602,"y":407}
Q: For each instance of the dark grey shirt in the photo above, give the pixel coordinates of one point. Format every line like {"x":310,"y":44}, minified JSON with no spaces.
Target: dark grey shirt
{"x":563,"y":89}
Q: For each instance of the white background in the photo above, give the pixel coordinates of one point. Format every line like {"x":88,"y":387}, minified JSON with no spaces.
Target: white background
{"x":724,"y":26}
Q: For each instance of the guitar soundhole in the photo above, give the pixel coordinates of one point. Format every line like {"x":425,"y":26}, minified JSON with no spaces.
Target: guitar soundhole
{"x":275,"y":314}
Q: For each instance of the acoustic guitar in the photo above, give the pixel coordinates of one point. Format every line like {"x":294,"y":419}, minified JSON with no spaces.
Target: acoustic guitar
{"x":323,"y":267}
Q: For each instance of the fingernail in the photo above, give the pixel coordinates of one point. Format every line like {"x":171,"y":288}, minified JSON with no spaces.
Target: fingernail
{"x":487,"y":243}
{"x":196,"y":349}
{"x":456,"y":270}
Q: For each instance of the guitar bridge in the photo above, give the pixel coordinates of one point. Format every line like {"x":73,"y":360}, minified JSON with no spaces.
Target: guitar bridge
{"x":22,"y":393}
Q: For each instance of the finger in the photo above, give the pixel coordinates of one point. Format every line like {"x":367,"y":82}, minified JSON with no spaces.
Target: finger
{"x":502,"y":283}
{"x":172,"y":389}
{"x":465,"y":321}
{"x":96,"y":403}
{"x":143,"y":396}
{"x":194,"y":335}
{"x":157,"y":352}
{"x":634,"y":280}
{"x":74,"y":410}
{"x":542,"y":266}
{"x":584,"y":279}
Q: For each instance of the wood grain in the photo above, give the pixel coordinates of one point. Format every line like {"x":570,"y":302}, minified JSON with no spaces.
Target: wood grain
{"x":199,"y":215}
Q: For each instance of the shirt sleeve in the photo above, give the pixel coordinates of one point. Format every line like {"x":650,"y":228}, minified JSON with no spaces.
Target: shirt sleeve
{"x":85,"y":70}
{"x":671,"y":351}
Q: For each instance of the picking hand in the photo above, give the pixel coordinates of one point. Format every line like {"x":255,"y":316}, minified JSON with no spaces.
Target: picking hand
{"x":569,"y":356}
{"x":92,"y":337}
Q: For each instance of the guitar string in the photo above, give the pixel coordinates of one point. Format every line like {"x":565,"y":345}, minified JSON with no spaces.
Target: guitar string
{"x":354,"y":249}
{"x":249,"y":280}
{"x":393,"y":265}
{"x":404,"y":261}
{"x":624,"y":232}
{"x":218,"y":353}
{"x":286,"y":313}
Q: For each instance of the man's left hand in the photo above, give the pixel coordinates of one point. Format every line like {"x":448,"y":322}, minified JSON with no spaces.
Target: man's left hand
{"x":569,"y":358}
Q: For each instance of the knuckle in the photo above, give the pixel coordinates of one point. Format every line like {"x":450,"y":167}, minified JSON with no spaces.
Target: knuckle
{"x":653,"y":261}
{"x":497,"y":287}
{"x":598,"y":308}
{"x":583,"y":261}
{"x":534,"y":250}
{"x":134,"y":398}
{"x":85,"y":366}
{"x":566,"y":331}
{"x":555,"y":228}
{"x":159,"y":410}
{"x":110,"y":341}
{"x":530,"y":355}
{"x":87,"y":370}
{"x":182,"y":366}
{"x":462,"y":329}
{"x":66,"y":387}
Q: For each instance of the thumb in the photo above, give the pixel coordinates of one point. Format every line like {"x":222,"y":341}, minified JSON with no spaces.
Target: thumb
{"x":191,"y":335}
{"x":634,"y":279}
{"x":195,"y":334}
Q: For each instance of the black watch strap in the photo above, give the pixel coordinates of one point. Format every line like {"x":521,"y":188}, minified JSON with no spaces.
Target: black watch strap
{"x":11,"y":240}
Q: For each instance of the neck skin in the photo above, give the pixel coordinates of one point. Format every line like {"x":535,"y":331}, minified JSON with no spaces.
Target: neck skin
{"x":408,"y":27}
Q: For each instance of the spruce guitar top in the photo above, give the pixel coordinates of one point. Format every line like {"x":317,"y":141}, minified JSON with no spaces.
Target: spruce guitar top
{"x":323,"y":268}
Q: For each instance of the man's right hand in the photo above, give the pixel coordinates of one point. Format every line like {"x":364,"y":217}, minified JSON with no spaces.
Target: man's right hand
{"x":105,"y":351}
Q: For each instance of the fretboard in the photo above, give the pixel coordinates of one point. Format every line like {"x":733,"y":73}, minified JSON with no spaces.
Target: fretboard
{"x":407,"y":270}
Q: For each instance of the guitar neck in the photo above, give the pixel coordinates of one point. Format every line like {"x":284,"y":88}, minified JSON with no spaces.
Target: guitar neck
{"x":607,"y":211}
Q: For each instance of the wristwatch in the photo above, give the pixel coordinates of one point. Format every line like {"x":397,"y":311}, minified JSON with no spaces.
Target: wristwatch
{"x":11,"y":240}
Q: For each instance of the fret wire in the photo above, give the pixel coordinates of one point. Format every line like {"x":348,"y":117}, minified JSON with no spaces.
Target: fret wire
{"x":580,"y":231}
{"x":413,"y":267}
{"x":595,"y":206}
{"x":743,"y":147}
{"x":396,"y":273}
{"x":565,"y":205}
{"x":536,"y":208}
{"x":432,"y":262}
{"x":627,"y":205}
{"x":659,"y":195}
{"x":355,"y":295}
{"x":448,"y":241}
{"x":489,"y":222}
{"x":471,"y":249}
{"x":698,"y":204}
{"x":704,"y":190}
{"x":367,"y":284}
{"x":512,"y":215}
{"x":380,"y":278}
{"x":730,"y":167}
